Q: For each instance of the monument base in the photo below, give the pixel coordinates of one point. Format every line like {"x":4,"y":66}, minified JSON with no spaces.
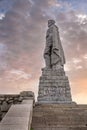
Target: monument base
{"x":54,"y":87}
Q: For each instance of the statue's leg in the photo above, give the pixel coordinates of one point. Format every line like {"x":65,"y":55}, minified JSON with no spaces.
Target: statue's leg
{"x":56,"y":60}
{"x":47,"y":57}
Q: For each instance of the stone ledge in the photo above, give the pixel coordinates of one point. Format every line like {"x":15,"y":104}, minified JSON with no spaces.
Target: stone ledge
{"x":55,"y":102}
{"x":13,"y":127}
{"x":19,"y":116}
{"x":6,"y":100}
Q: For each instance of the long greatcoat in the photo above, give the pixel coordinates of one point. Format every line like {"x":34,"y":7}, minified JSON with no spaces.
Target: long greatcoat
{"x":57,"y":56}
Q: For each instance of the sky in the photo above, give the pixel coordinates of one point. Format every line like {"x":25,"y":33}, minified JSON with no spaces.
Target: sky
{"x":23,"y":25}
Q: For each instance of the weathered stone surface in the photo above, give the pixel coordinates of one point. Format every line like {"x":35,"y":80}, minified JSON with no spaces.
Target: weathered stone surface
{"x":19,"y":116}
{"x":27,"y":94}
{"x":13,"y":127}
{"x":59,"y":117}
{"x":7,"y":100}
{"x":53,"y":54}
{"x":16,"y":120}
{"x":5,"y":107}
{"x":54,"y":87}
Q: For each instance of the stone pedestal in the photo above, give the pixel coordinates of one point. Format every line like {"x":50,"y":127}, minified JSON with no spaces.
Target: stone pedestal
{"x":54,"y":87}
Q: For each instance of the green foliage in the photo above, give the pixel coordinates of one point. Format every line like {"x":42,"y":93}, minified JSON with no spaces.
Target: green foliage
{"x":31,"y":129}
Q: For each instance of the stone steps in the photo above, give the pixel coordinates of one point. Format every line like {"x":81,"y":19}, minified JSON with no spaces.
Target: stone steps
{"x":61,"y":117}
{"x":61,"y":128}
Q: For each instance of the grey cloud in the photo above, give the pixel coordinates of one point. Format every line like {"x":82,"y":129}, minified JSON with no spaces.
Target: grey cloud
{"x":20,"y":35}
{"x":73,"y":34}
{"x":20,"y":32}
{"x":23,"y":29}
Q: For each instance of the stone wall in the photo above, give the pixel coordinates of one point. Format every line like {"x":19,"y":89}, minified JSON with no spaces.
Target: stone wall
{"x":19,"y":115}
{"x":7,"y":100}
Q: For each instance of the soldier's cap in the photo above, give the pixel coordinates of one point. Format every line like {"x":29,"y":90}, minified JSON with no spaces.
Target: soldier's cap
{"x":51,"y":21}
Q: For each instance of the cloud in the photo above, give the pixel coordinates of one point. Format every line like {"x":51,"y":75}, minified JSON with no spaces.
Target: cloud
{"x":16,"y":75}
{"x":2,"y":15}
{"x":54,"y":3}
{"x":85,"y":56}
{"x":82,"y":18}
{"x":81,"y":98}
{"x":76,"y":60}
{"x":73,"y":34}
{"x":21,"y":74}
{"x":22,"y":41}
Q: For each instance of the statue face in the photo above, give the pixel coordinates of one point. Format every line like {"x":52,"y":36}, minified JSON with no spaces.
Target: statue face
{"x":50,"y":22}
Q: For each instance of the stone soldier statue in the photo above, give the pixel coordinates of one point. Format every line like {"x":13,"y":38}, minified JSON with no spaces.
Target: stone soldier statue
{"x":53,"y":54}
{"x":54,"y":84}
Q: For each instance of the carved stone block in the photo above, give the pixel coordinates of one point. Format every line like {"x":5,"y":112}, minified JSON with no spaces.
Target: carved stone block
{"x":54,"y":87}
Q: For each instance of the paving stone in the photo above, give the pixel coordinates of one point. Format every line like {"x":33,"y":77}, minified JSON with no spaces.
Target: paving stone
{"x":15,"y":120}
{"x":13,"y":127}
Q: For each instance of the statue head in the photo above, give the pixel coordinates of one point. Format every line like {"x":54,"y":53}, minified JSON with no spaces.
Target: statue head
{"x":51,"y":22}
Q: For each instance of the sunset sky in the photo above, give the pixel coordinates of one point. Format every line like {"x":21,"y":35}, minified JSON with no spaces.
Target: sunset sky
{"x":23,"y":25}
